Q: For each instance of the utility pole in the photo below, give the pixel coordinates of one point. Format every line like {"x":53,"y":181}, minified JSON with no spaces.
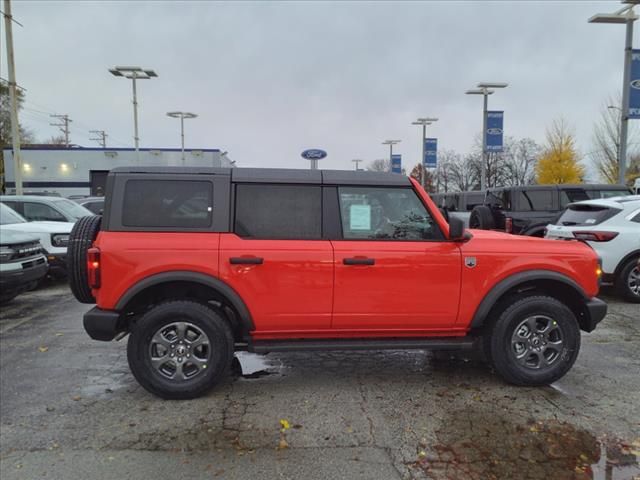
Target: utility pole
{"x":391,"y":143}
{"x":424,"y":122}
{"x":13,"y":97}
{"x":63,"y":125}
{"x":101,"y":137}
{"x":357,"y":162}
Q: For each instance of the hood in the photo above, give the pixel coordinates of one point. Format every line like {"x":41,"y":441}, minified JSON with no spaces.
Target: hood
{"x":494,"y":242}
{"x":40,"y":227}
{"x":10,"y":237}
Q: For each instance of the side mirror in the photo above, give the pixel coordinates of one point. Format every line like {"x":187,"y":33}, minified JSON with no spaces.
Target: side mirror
{"x":456,"y":229}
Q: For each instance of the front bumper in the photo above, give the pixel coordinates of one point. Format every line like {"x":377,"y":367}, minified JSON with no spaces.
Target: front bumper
{"x":57,"y":262}
{"x":596,"y":310}
{"x":102,"y":325}
{"x":18,"y":279}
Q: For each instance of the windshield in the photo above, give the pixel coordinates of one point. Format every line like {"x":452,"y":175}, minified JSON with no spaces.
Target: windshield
{"x":7,"y":216}
{"x":72,"y":209}
{"x":581,"y":215}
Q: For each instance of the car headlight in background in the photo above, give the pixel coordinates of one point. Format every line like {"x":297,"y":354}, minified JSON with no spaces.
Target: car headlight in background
{"x":6,"y":253}
{"x":59,"y":239}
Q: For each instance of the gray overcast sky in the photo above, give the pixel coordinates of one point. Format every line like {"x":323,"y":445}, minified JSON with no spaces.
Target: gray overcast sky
{"x":270,"y":79}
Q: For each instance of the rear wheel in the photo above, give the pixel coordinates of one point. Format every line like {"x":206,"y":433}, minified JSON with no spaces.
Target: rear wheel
{"x":534,"y":341}
{"x":628,"y":281}
{"x":180,"y":349}
{"x":481,"y":218}
{"x":82,"y":235}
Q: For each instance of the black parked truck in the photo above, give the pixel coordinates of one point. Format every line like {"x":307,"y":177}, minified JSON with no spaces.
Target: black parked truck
{"x":528,"y":209}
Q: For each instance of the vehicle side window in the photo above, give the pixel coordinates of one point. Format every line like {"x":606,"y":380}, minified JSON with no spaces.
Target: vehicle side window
{"x":167,"y":203}
{"x":636,"y":218}
{"x":95,"y":207}
{"x":573,"y":195}
{"x":535,"y":200}
{"x":14,"y":206}
{"x":41,"y":212}
{"x":284,"y":212}
{"x":370,"y":213}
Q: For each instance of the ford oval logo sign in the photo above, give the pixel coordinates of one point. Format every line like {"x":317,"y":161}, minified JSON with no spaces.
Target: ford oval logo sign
{"x":635,"y":84}
{"x":314,"y":154}
{"x":494,"y":131}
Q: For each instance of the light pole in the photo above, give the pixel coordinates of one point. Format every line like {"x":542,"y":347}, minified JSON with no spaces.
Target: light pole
{"x":134,"y":73}
{"x":357,"y":162}
{"x":626,"y":16}
{"x":391,"y":143}
{"x":424,"y":122}
{"x":484,"y":89}
{"x":181,"y":116}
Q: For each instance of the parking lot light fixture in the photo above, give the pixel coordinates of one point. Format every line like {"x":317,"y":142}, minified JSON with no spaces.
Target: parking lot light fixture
{"x":181,"y":116}
{"x":134,"y":74}
{"x":424,"y":121}
{"x":485,"y":89}
{"x":625,"y":16}
{"x":391,"y":143}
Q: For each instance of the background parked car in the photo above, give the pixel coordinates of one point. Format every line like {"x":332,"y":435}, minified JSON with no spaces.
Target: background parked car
{"x":95,"y":204}
{"x":612,"y":228}
{"x":49,"y":209}
{"x":53,"y":236}
{"x":527,"y":210}
{"x":458,"y":204}
{"x":22,"y":263}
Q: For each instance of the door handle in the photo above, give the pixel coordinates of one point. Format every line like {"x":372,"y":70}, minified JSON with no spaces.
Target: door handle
{"x":246,"y":260}
{"x":359,"y":261}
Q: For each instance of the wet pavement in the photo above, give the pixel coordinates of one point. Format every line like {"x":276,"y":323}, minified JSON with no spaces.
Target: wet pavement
{"x":69,"y":408}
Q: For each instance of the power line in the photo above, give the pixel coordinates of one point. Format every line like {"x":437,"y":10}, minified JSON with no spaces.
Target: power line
{"x":64,"y":126}
{"x":102,"y":137}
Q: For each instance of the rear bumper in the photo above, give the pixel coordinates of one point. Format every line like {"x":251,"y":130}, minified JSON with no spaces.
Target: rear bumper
{"x":101,"y":325}
{"x":596,"y":310}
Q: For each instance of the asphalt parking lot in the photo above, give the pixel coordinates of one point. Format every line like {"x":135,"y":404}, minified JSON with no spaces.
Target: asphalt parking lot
{"x":70,"y":409}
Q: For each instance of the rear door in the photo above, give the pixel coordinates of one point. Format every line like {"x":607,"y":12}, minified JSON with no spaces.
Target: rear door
{"x":395,"y":273}
{"x":277,"y":260}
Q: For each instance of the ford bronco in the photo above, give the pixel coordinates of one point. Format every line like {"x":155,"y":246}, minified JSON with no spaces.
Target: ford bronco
{"x":196,"y":263}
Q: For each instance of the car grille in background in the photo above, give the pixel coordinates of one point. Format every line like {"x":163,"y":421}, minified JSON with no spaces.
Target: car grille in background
{"x":33,"y":263}
{"x":26,"y":250}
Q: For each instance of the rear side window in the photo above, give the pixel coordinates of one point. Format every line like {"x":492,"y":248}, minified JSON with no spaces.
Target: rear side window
{"x":586,"y":215}
{"x":167,"y":204}
{"x":370,"y":213}
{"x":535,"y":200}
{"x":284,"y":212}
{"x":636,"y":218}
{"x":41,"y":212}
{"x":573,"y":195}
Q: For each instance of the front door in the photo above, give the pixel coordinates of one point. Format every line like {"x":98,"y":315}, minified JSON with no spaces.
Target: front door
{"x":277,"y":260}
{"x":394,"y":271}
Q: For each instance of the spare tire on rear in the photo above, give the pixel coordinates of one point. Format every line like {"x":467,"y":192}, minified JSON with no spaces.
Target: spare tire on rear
{"x":82,"y":235}
{"x":482,"y":218}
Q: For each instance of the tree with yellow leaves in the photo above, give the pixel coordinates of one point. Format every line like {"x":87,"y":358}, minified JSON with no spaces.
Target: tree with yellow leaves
{"x":559,"y":162}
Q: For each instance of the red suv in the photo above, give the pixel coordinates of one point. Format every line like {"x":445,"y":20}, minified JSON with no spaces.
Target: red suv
{"x":196,"y":263}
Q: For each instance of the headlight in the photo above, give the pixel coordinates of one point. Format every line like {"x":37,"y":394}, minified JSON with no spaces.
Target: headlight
{"x":60,"y":239}
{"x":6,"y":253}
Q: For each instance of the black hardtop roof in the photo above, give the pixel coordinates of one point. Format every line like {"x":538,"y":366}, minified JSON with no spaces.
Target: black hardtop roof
{"x":280,"y":175}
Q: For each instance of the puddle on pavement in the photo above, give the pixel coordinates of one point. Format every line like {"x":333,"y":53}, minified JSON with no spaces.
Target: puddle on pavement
{"x":488,"y":446}
{"x":251,"y":365}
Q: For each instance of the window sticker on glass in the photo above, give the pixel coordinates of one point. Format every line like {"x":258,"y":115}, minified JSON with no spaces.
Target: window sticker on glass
{"x":360,"y":217}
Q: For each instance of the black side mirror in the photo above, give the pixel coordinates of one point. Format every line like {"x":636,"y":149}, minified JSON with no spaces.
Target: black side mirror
{"x":456,"y":229}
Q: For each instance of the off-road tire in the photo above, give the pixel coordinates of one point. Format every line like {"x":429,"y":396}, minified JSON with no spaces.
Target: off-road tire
{"x":499,"y":350}
{"x":482,"y":218}
{"x":82,"y":235}
{"x":624,"y":280}
{"x":206,"y":319}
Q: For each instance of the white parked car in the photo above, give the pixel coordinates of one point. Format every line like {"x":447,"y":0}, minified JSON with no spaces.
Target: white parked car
{"x":53,"y":236}
{"x":612,"y":227}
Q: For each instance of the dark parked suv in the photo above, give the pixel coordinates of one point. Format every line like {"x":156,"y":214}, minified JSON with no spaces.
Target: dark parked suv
{"x":527,"y":210}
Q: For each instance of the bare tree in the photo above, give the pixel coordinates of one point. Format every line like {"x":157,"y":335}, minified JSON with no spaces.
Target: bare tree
{"x":379,"y":165}
{"x":463,"y":176}
{"x":520,"y":159}
{"x":606,"y":142}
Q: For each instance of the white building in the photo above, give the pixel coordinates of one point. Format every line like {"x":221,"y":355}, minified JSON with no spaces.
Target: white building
{"x":83,"y":171}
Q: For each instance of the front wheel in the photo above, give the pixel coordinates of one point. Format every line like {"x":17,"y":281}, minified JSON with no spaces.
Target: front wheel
{"x":534,"y":341}
{"x":628,"y":281}
{"x":180,"y":349}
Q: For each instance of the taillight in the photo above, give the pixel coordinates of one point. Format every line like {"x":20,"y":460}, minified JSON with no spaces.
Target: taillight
{"x":93,"y":267}
{"x":595,"y":236}
{"x":508,"y":225}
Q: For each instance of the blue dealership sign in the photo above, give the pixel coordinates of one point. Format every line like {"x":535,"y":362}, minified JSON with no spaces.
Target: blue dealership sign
{"x":314,"y":154}
{"x":494,"y":132}
{"x":634,"y":91}
{"x":396,"y":163}
{"x":430,"y":152}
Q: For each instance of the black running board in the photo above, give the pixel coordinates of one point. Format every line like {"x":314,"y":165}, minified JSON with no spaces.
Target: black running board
{"x":447,"y":343}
